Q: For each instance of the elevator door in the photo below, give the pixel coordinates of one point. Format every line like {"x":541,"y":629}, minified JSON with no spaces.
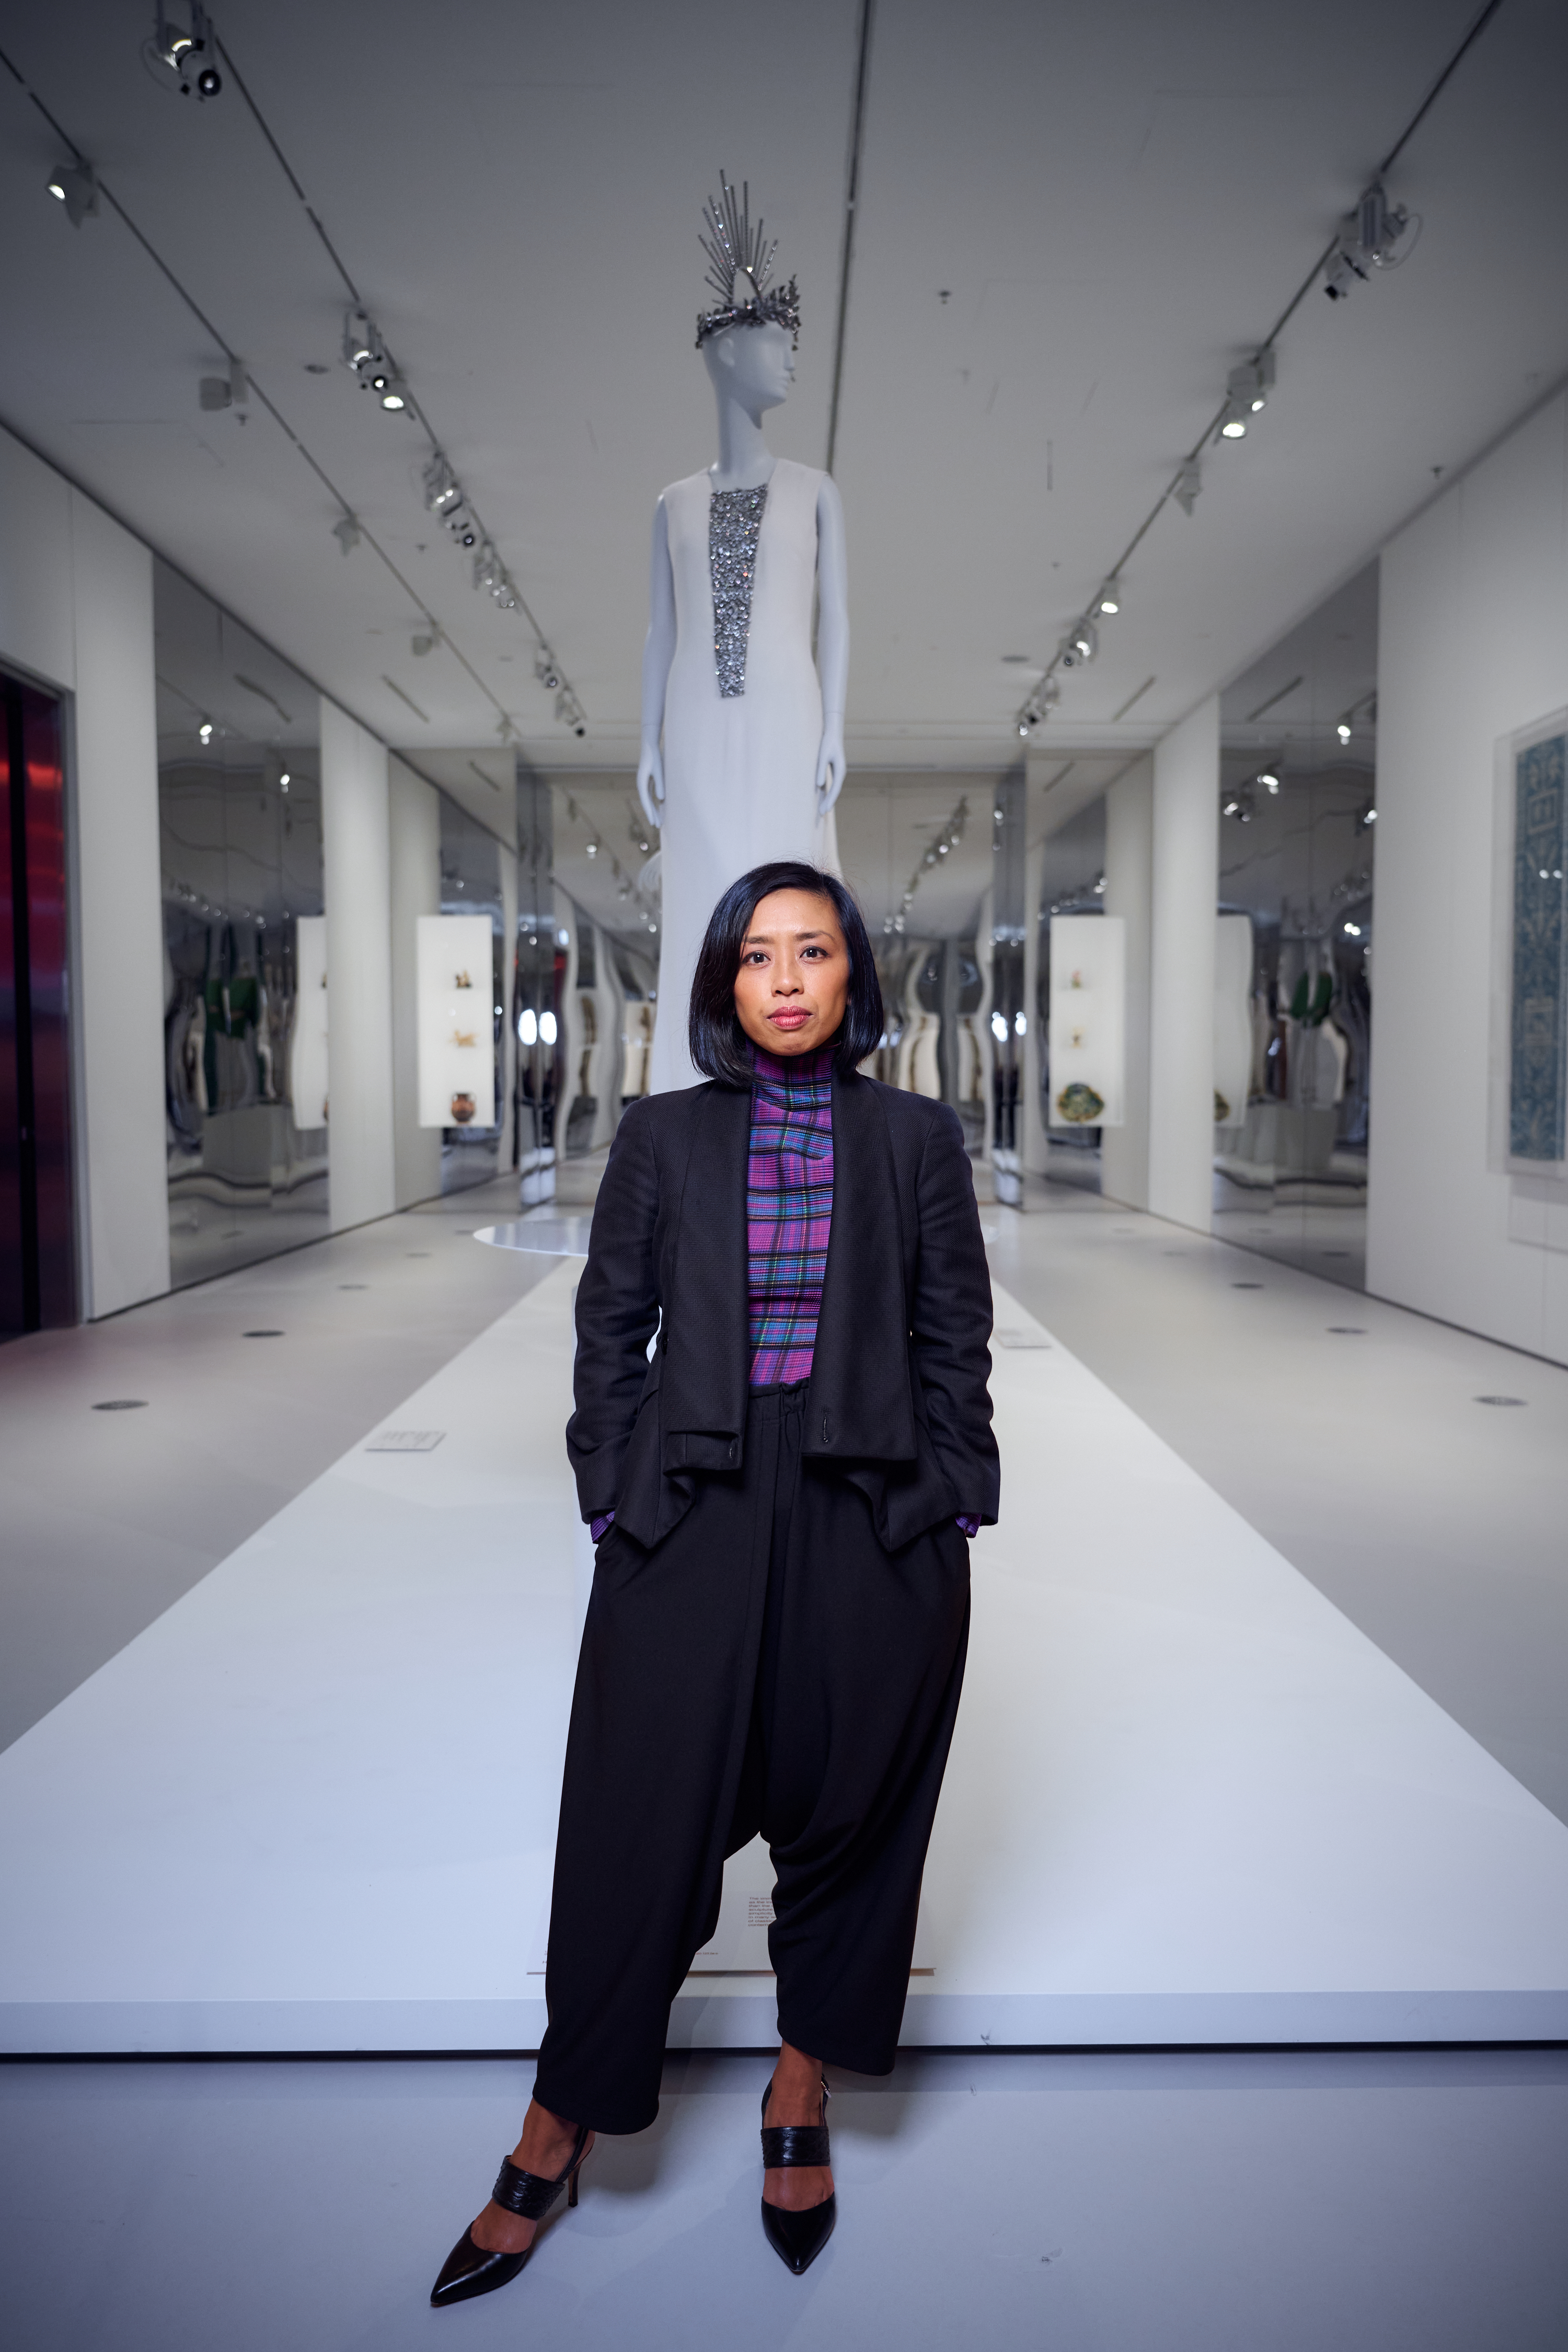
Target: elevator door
{"x":38,"y":1240}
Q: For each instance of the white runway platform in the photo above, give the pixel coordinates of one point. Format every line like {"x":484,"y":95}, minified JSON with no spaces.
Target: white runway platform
{"x":312,"y":1806}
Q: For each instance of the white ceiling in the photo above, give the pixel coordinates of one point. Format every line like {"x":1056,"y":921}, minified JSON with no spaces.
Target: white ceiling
{"x":1072,"y":224}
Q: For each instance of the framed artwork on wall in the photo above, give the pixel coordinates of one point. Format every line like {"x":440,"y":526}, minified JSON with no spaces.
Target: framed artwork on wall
{"x":1529,"y":1025}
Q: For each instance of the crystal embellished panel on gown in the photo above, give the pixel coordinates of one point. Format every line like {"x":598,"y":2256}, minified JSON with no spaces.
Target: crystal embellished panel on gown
{"x":734,"y":525}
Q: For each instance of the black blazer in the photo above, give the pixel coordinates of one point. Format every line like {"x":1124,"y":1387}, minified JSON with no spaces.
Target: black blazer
{"x":898,"y":1393}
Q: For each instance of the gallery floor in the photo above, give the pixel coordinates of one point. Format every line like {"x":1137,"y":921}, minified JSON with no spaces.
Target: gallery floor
{"x":1196,"y":1802}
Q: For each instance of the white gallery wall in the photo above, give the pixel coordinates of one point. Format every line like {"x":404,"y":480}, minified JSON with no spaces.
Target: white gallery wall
{"x":414,"y":863}
{"x":1185,"y":867}
{"x":1473,"y":645}
{"x":76,"y":614}
{"x":357,"y":840}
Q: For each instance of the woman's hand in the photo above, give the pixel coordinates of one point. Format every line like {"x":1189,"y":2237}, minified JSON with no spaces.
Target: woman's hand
{"x":650,"y":784}
{"x":830,"y":769}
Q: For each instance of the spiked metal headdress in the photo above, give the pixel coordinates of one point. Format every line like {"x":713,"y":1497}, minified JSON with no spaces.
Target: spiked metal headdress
{"x":740,"y":263}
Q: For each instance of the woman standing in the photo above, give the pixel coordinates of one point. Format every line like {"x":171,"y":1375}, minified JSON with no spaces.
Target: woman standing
{"x":781,"y":1501}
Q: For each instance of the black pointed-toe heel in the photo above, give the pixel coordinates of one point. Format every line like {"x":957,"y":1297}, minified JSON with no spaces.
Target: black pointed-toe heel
{"x":797,"y":2238}
{"x":469,"y":2270}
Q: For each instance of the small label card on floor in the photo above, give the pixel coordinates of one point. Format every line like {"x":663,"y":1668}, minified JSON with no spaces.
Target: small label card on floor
{"x":406,"y":1441}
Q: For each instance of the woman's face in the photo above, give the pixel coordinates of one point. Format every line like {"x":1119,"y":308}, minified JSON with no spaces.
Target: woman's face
{"x":794,"y":980}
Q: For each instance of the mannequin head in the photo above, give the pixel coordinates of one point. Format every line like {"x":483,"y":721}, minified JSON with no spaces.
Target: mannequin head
{"x":753,"y":366}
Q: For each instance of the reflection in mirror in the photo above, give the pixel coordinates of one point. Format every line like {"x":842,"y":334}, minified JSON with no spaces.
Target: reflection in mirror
{"x":920,"y":852}
{"x":1293,"y":990}
{"x":244,"y":953}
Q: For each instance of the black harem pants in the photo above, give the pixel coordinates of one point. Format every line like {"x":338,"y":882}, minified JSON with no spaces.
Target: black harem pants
{"x":768,"y":1666}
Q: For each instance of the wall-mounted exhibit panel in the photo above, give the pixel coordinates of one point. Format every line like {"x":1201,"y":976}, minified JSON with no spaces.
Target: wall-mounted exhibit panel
{"x":456,"y":1052}
{"x":459,"y":1028}
{"x":1536,"y":937}
{"x":1089,"y":1021}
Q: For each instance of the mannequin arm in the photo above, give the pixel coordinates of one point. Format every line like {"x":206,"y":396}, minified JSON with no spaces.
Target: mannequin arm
{"x":832,"y":640}
{"x":658,"y":652}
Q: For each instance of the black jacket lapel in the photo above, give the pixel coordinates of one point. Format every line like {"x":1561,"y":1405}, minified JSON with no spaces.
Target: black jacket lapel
{"x":705,"y":1365}
{"x":859,"y":1405}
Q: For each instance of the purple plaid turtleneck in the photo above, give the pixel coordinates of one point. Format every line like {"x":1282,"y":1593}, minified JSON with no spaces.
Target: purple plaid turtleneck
{"x":789,"y":1210}
{"x":789,"y":1215}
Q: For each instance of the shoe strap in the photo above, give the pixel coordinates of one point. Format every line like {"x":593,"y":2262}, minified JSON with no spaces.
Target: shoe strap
{"x":529,"y":2194}
{"x":784,"y":2144}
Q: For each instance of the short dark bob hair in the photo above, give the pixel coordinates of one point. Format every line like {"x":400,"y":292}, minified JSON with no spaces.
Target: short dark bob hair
{"x":720,"y":1046}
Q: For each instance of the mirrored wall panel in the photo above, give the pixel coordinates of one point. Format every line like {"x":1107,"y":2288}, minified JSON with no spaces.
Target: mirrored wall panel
{"x":1294,"y":978}
{"x":920,"y":852}
{"x":244,"y":940}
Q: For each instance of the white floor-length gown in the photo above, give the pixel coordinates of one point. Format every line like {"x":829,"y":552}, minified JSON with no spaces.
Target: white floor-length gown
{"x":740,"y":771}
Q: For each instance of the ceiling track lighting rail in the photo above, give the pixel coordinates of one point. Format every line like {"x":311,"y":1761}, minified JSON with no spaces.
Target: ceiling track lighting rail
{"x":348,"y":526}
{"x":178,"y":48}
{"x":1374,"y":236}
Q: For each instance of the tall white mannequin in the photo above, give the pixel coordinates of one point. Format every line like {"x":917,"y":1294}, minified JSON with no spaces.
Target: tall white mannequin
{"x":749,"y":775}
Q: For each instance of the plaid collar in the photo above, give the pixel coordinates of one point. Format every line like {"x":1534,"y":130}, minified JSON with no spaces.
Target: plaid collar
{"x":789,"y":1210}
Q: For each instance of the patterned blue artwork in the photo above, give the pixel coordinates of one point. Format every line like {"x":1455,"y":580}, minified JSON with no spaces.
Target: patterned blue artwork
{"x":1538,"y":1074}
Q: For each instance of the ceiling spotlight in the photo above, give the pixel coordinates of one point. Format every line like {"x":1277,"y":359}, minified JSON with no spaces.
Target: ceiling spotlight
{"x":230,"y":391}
{"x":1268,"y":779}
{"x":346,"y":532}
{"x":1344,"y":731}
{"x":1368,"y":816}
{"x":1079,"y":646}
{"x":174,"y":56}
{"x":545,"y":671}
{"x":75,"y":185}
{"x":1368,"y":239}
{"x":505,"y":594}
{"x":204,"y":731}
{"x":1189,"y":481}
{"x":394,"y":390}
{"x":1109,"y":597}
{"x":1352,"y":930}
{"x":1247,"y":387}
{"x":441,"y":486}
{"x":1340,"y":275}
{"x":362,"y":344}
{"x":426,"y":640}
{"x":1233,"y":424}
